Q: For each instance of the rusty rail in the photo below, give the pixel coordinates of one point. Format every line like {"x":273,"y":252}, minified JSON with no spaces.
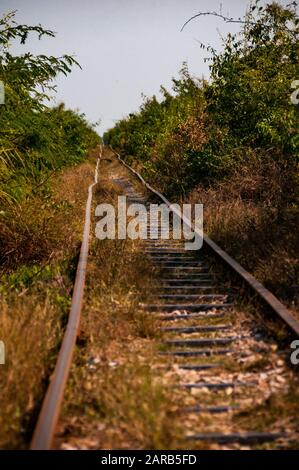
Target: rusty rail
{"x":48,"y":417}
{"x":271,"y":301}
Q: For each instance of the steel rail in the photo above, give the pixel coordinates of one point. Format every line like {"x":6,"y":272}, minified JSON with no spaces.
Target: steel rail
{"x":271,"y":301}
{"x":49,"y":414}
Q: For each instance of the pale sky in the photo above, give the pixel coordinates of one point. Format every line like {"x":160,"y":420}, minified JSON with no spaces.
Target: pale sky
{"x":125,"y":47}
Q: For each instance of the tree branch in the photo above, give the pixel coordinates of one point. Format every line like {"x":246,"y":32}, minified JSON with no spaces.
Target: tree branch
{"x":214,"y":13}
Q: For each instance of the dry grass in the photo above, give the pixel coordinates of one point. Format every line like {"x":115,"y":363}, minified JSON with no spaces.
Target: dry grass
{"x":36,"y":229}
{"x":31,"y":329}
{"x":252,"y":216}
{"x":37,"y":280}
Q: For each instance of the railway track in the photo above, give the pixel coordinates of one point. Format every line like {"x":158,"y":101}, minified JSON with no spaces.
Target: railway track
{"x":209,"y":348}
{"x":201,"y":336}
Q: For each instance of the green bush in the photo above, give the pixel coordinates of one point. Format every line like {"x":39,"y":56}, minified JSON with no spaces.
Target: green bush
{"x":193,"y":134}
{"x":35,"y":139}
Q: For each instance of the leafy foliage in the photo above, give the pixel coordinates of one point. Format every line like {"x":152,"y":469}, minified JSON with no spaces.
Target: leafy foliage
{"x":34,"y":139}
{"x":198,"y":132}
{"x":250,"y":92}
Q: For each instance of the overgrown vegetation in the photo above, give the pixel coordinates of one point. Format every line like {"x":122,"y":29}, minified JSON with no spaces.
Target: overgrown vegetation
{"x":34,"y":305}
{"x":44,"y":176}
{"x":232,"y":143}
{"x":116,"y":398}
{"x":122,"y":394}
{"x":35,"y":141}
